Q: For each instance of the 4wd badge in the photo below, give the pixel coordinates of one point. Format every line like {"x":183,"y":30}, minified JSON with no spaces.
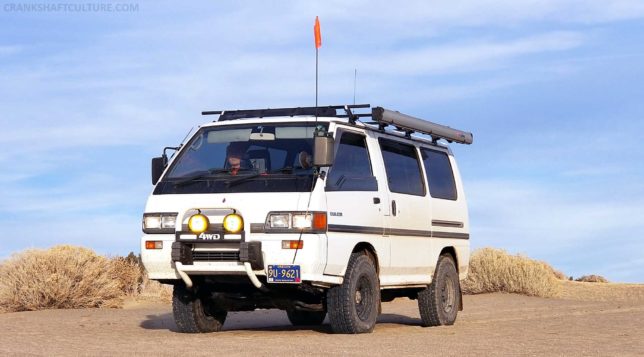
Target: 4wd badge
{"x":209,"y":236}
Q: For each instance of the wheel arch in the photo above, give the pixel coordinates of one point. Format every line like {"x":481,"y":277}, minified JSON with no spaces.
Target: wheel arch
{"x":370,"y":251}
{"x":450,"y":250}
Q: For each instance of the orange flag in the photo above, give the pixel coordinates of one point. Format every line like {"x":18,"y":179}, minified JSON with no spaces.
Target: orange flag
{"x":316,"y":31}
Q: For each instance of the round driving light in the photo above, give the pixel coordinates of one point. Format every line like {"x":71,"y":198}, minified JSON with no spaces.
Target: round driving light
{"x":198,"y":223}
{"x":233,"y":223}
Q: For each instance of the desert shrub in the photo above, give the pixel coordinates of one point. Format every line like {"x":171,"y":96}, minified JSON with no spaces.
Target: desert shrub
{"x":152,"y":290}
{"x":592,"y":279}
{"x":128,"y":274}
{"x":557,"y":273}
{"x":494,"y":270}
{"x":61,"y":277}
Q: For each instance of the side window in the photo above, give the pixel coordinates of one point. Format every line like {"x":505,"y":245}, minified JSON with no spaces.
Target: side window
{"x":439,"y":174}
{"x":403,"y":168}
{"x":351,"y":170}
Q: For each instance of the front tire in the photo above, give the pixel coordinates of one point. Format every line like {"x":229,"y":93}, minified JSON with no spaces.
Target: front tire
{"x":305,"y":318}
{"x":439,"y":302}
{"x":353,"y":306}
{"x":194,"y":313}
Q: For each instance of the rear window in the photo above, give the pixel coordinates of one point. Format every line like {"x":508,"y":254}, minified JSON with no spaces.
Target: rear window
{"x":403,"y":168}
{"x":439,"y":174}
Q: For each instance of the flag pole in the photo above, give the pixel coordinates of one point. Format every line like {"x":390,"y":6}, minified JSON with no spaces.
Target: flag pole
{"x":318,"y":44}
{"x":316,"y":81}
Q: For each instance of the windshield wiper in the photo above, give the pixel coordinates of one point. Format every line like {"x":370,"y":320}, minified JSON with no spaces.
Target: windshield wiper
{"x":200,"y":175}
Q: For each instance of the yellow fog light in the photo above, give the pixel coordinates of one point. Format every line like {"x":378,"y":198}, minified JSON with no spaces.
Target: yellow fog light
{"x":233,"y":223}
{"x":198,"y":223}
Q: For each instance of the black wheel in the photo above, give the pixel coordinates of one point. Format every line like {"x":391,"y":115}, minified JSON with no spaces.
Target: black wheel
{"x":305,"y":318}
{"x":194,"y":314}
{"x":439,"y":302}
{"x":353,"y":306}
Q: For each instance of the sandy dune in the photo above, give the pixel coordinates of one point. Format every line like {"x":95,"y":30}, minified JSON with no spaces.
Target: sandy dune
{"x":498,"y":324}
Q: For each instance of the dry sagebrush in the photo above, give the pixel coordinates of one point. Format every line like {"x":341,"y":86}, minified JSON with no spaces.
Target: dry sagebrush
{"x":134,"y":282}
{"x":128,"y":274}
{"x":61,"y":277}
{"x":494,"y":270}
{"x":152,"y":290}
{"x":592,"y":279}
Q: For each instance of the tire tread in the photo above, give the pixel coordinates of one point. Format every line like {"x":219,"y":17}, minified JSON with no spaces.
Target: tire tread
{"x":189,"y":314}
{"x":340,"y":300}
{"x":428,"y":299}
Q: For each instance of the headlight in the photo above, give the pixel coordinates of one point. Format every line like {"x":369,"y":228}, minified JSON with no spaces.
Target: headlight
{"x":279,"y":220}
{"x":152,"y":222}
{"x":302,"y":221}
{"x":159,"y":223}
{"x":168,"y":221}
{"x":233,"y":223}
{"x":198,"y":223}
{"x":310,"y":222}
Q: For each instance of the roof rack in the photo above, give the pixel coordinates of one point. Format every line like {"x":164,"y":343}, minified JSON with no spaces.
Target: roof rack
{"x":325,"y":111}
{"x":380,"y":116}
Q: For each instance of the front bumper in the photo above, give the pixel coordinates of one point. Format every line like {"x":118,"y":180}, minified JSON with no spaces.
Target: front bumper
{"x":250,"y":252}
{"x":258,"y":250}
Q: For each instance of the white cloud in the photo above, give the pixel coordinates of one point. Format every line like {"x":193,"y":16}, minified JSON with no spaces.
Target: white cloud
{"x":106,"y":233}
{"x":9,"y":50}
{"x":87,"y":97}
{"x":459,"y":56}
{"x":500,"y":13}
{"x":64,"y":200}
{"x":556,"y":223}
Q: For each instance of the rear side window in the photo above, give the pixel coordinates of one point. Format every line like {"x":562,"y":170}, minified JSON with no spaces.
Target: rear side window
{"x":439,"y":174}
{"x":351,"y":170}
{"x":403,"y":168}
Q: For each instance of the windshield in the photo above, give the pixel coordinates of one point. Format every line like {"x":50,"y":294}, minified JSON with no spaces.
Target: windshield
{"x":244,"y":158}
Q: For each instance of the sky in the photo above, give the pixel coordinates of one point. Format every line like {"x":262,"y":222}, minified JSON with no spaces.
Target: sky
{"x":552,"y":90}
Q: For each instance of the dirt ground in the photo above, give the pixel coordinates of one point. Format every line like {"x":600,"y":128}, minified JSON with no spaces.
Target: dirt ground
{"x":491,"y":324}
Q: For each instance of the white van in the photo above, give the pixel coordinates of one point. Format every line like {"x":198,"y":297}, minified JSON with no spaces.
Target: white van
{"x":317,"y":211}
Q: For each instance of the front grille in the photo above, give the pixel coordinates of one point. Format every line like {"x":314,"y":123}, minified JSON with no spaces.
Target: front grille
{"x":225,"y":256}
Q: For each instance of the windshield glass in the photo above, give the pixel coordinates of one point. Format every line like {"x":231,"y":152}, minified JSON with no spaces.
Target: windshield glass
{"x":244,"y":158}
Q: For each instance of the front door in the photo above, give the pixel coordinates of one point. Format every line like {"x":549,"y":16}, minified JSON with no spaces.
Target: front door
{"x":356,"y":202}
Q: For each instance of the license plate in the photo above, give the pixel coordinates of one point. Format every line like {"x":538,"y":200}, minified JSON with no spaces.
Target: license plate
{"x":284,"y":274}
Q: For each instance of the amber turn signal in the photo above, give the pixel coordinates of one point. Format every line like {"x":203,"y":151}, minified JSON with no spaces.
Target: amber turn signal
{"x":153,"y":244}
{"x":319,"y":220}
{"x":292,"y":244}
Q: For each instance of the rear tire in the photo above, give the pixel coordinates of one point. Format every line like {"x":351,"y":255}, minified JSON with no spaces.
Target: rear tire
{"x":195,"y":314}
{"x":305,"y":318}
{"x":439,"y":302}
{"x":353,"y":306}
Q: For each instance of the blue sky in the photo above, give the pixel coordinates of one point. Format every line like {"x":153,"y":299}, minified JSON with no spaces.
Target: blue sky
{"x":552,"y":91}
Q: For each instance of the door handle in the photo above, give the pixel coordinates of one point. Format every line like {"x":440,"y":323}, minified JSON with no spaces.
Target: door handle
{"x":393,"y":207}
{"x":376,"y":200}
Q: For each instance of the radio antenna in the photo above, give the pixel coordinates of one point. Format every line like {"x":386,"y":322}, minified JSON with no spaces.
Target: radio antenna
{"x":355,"y":82}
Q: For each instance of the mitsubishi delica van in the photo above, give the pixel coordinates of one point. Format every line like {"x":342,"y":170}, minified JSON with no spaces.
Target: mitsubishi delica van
{"x":318,"y":211}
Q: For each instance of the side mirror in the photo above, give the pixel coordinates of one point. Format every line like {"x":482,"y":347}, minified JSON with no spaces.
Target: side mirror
{"x":323,"y":153}
{"x":158,"y":165}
